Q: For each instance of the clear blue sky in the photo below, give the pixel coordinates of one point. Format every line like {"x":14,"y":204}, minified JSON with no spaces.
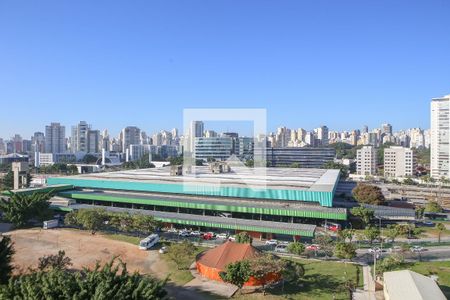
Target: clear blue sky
{"x":118,"y":63}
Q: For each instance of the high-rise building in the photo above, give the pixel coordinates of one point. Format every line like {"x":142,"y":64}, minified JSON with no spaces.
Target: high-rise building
{"x":440,"y":125}
{"x":55,"y":138}
{"x":17,"y":143}
{"x":78,"y":141}
{"x":105,"y":141}
{"x":93,"y":141}
{"x":197,"y":128}
{"x":386,"y":128}
{"x":366,"y":161}
{"x":322,"y":135}
{"x":398,"y":162}
{"x":2,"y":147}
{"x":128,"y":136}
{"x":38,"y":142}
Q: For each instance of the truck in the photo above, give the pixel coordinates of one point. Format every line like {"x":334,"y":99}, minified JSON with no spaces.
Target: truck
{"x":50,"y":224}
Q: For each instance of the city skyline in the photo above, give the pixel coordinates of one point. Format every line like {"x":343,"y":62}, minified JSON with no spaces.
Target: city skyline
{"x":143,"y":64}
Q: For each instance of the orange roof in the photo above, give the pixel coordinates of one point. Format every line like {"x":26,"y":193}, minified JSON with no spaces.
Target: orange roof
{"x":227,"y":253}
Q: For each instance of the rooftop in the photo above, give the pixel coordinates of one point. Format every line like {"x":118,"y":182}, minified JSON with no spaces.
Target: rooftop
{"x":320,"y":180}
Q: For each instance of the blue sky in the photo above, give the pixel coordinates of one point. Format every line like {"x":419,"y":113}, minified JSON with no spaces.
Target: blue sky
{"x":118,"y":63}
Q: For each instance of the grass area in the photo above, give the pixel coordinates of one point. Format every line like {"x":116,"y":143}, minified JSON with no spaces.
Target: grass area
{"x":122,"y":237}
{"x":322,"y":280}
{"x":439,"y":268}
{"x":179,"y":277}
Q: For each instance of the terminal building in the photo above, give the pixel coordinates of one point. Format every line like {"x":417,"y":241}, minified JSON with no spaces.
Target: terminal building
{"x":283,"y":203}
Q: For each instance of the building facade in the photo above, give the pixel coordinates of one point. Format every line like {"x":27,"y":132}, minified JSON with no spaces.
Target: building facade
{"x":398,"y":162}
{"x":55,"y":138}
{"x":440,"y":151}
{"x":218,"y":148}
{"x":303,"y":157}
{"x":366,"y":161}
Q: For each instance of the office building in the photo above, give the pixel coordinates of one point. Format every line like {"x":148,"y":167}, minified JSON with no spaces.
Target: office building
{"x":55,"y":138}
{"x":440,"y":124}
{"x":304,"y":157}
{"x":218,"y":148}
{"x":366,"y":161}
{"x":398,"y":162}
{"x":38,"y":142}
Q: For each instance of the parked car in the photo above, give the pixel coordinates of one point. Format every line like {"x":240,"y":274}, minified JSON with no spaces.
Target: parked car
{"x":223,"y":236}
{"x":232,"y":238}
{"x":184,"y":233}
{"x":417,"y":249}
{"x":172,"y":230}
{"x":395,"y":249}
{"x":196,"y":233}
{"x":281,"y":248}
{"x":162,"y":250}
{"x":208,"y":236}
{"x":428,"y":223}
{"x":312,"y":247}
{"x":272,"y":242}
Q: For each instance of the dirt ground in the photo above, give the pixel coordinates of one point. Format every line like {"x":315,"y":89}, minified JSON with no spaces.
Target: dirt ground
{"x":83,"y":248}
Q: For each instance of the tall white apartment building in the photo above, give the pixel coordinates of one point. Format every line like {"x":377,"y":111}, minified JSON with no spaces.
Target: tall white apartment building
{"x":79,"y":138}
{"x":366,"y":161}
{"x":130,"y":135}
{"x":398,"y":162}
{"x":440,"y":123}
{"x":55,"y":138}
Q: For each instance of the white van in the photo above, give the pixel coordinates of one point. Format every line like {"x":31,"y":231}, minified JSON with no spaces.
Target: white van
{"x":149,"y":242}
{"x":50,"y":224}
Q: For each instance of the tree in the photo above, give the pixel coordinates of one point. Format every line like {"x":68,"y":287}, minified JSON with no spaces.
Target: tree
{"x":111,"y":281}
{"x":296,"y":248}
{"x":409,"y":181}
{"x":265,"y":265}
{"x":182,"y":254}
{"x":392,"y":232}
{"x":344,"y":250}
{"x":7,"y":182}
{"x":343,"y":170}
{"x":433,"y":207}
{"x":440,"y":228}
{"x":243,"y":238}
{"x":89,"y":219}
{"x":292,"y":271}
{"x":295,"y":165}
{"x":174,"y":161}
{"x":371,"y":233}
{"x":89,"y":159}
{"x":144,"y":223}
{"x":237,"y":273}
{"x":54,"y":261}
{"x":6,"y":253}
{"x":366,"y":193}
{"x":420,"y":210}
{"x":390,"y":263}
{"x":20,"y":208}
{"x":325,"y":243}
{"x":250,"y":163}
{"x":346,"y":234}
{"x":363,"y":213}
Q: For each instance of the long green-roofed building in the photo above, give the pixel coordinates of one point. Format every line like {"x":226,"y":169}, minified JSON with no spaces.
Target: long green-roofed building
{"x":277,"y":201}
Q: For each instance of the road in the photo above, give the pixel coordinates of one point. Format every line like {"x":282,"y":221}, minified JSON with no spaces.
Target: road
{"x":429,"y":254}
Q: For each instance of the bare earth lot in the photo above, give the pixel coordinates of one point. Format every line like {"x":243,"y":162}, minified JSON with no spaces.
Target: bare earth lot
{"x":86,"y":249}
{"x":82,"y":247}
